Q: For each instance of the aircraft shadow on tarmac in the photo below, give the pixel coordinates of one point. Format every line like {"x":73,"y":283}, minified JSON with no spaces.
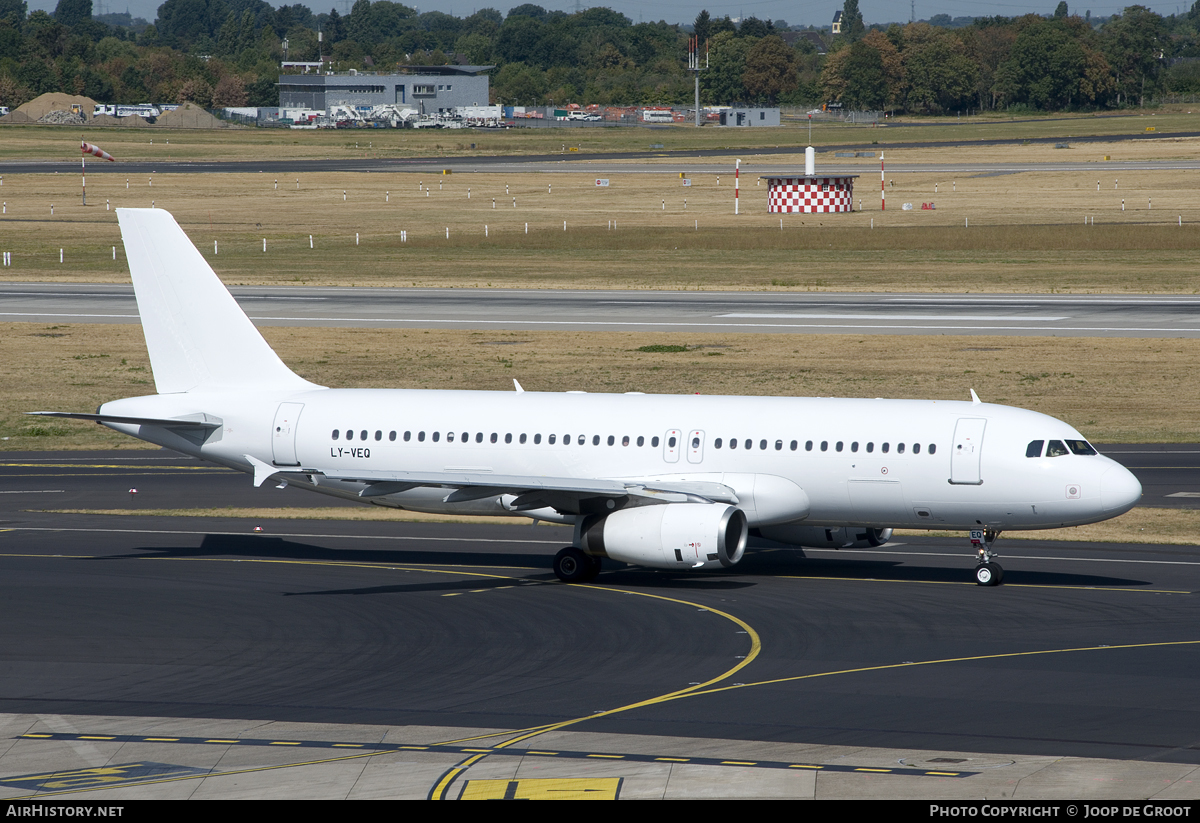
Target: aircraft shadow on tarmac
{"x":794,"y":563}
{"x":770,"y":563}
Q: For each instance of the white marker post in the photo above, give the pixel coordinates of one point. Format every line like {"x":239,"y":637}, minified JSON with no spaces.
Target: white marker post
{"x":882,"y":187}
{"x":737,"y":170}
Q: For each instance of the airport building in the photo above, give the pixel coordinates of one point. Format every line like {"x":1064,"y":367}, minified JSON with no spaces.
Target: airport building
{"x":749,"y":117}
{"x":428,"y":89}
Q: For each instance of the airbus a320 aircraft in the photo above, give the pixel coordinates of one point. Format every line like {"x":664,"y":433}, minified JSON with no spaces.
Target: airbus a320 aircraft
{"x":669,"y":482}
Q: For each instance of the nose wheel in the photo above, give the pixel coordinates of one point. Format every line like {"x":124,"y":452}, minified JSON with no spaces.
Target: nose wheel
{"x":987,"y":572}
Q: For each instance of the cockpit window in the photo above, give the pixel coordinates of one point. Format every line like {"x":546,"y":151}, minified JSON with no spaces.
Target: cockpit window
{"x":1034,"y":449}
{"x":1080,"y":447}
{"x":1055,"y":448}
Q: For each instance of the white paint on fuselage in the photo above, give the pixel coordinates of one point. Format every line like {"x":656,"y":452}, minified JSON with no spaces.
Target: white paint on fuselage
{"x":846,"y":487}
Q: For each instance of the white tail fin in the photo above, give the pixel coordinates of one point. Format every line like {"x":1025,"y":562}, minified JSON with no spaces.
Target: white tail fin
{"x":197,"y":335}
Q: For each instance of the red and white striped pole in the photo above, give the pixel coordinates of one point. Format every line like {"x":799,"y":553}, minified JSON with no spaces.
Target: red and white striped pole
{"x":882,"y":190}
{"x":736,"y":171}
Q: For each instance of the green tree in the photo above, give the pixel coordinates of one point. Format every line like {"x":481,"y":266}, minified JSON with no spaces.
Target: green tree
{"x":73,"y":12}
{"x":722,"y":83}
{"x":1135,"y":46}
{"x":770,"y":70}
{"x":852,"y":21}
{"x":703,"y":24}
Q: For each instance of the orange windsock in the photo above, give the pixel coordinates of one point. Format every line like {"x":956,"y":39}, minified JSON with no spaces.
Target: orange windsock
{"x":96,"y":151}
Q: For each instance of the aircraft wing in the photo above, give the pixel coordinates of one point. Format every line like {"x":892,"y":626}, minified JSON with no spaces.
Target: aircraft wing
{"x":569,"y":494}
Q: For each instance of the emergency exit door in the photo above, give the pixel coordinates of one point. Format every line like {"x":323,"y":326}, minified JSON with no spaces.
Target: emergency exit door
{"x":283,"y":435}
{"x":967,"y":451}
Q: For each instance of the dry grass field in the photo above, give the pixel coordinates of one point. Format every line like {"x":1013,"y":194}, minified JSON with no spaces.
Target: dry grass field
{"x":1111,"y":389}
{"x":1026,"y":231}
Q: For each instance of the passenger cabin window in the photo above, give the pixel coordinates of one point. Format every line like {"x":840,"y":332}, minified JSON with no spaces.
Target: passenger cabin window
{"x":407,"y":436}
{"x":884,"y":448}
{"x":932,"y":448}
{"x":1055,"y":448}
{"x":899,"y":448}
{"x":392,"y":436}
{"x":808,"y":445}
{"x":916,"y":448}
{"x":436,"y":436}
{"x":794,"y":445}
{"x":550,"y":439}
{"x":336,"y":433}
{"x":716,"y":443}
{"x":654,"y":442}
{"x":839,"y":445}
{"x":420,"y":437}
{"x":854,"y":446}
{"x":378,"y":435}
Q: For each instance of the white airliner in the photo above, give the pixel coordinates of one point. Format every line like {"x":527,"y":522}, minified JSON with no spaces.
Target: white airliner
{"x":669,"y":482}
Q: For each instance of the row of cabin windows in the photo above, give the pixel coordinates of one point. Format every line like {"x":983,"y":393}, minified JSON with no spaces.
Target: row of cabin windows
{"x":1057,"y":448}
{"x":495,"y":438}
{"x":627,"y":440}
{"x":808,"y":446}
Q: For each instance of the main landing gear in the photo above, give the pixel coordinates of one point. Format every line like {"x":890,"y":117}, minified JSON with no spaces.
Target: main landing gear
{"x":574,"y":566}
{"x":987,"y":573}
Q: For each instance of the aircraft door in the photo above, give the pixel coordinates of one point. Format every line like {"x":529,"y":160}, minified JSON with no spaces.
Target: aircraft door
{"x":671,"y":445}
{"x":966,"y":452}
{"x":283,"y":434}
{"x":695,"y":446}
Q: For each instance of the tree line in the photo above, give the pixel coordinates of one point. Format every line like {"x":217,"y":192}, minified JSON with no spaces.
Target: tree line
{"x":228,"y":53}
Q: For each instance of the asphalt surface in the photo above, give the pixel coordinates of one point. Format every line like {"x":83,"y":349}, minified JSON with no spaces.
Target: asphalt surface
{"x":453,"y":625}
{"x":756,"y":312}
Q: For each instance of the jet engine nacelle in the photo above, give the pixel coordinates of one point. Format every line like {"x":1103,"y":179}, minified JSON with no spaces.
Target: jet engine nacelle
{"x":822,"y":537}
{"x":667,"y":536}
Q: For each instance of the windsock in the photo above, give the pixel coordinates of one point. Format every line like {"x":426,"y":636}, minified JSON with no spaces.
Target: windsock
{"x":88,"y":148}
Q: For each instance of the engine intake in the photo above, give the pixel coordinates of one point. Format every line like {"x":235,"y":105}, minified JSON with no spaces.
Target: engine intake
{"x":668,"y":536}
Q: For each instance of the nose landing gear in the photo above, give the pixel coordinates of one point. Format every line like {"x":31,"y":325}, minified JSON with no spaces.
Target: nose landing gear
{"x":987,"y":573}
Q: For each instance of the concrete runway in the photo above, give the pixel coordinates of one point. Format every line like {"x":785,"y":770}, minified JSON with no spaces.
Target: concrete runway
{"x":756,"y":312}
{"x":352,"y":658}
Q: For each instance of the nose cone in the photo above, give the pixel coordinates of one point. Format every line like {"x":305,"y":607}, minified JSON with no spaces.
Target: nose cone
{"x":1119,"y":491}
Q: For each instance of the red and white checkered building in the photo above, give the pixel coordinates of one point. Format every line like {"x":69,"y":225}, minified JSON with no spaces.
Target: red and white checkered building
{"x":810,"y":194}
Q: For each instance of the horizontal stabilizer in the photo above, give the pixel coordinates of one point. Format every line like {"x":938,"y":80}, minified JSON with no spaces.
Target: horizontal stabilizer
{"x":190,"y":421}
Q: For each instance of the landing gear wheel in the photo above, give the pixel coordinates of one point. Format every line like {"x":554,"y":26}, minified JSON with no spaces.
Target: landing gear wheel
{"x":989,"y":574}
{"x":573,"y":566}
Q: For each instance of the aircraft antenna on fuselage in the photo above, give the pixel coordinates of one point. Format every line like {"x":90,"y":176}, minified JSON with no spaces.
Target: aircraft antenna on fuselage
{"x":197,"y":335}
